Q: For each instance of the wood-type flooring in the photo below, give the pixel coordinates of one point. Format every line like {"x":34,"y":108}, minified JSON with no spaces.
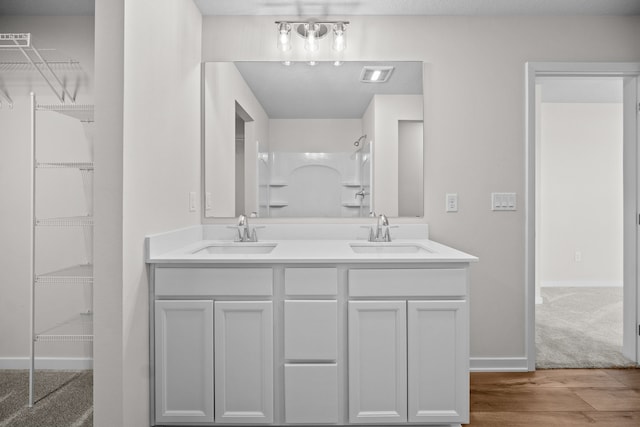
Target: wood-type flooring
{"x":559,"y":397}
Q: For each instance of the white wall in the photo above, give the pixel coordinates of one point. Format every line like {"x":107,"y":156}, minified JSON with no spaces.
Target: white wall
{"x":389,"y":111}
{"x":108,"y":375}
{"x":410,"y":178}
{"x":60,"y":192}
{"x":581,"y":194}
{"x":474,"y":129}
{"x":223,"y":87}
{"x":150,"y":86}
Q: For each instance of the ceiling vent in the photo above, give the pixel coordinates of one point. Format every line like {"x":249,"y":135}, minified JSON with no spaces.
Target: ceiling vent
{"x":375,"y":73}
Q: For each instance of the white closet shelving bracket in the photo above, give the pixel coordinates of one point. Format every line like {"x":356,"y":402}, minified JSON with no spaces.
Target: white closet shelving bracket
{"x":23,"y":43}
{"x":6,"y":98}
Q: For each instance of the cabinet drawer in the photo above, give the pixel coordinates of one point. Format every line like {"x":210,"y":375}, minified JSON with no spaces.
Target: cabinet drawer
{"x":311,"y":330}
{"x":311,"y":281}
{"x":214,"y":281}
{"x":419,"y":282}
{"x":311,"y":394}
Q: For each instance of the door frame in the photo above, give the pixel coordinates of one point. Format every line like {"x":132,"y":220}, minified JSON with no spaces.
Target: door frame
{"x":630,"y":70}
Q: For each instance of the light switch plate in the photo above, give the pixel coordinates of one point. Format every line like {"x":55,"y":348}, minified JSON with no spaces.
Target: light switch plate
{"x":503,"y":201}
{"x":192,"y":201}
{"x":452,"y":202}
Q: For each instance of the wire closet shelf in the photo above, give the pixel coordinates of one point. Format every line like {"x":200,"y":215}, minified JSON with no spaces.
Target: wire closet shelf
{"x":77,"y":327}
{"x":18,"y":54}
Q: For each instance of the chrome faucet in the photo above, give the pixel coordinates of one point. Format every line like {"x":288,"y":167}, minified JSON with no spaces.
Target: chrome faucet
{"x":381,"y":233}
{"x":245,"y":233}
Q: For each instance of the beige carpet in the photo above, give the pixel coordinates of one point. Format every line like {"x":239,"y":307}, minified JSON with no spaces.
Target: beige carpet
{"x":62,"y":399}
{"x":580,"y":328}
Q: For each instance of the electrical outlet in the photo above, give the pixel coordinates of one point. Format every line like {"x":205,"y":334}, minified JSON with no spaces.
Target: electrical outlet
{"x":578,"y":256}
{"x":192,"y":201}
{"x":452,"y":202}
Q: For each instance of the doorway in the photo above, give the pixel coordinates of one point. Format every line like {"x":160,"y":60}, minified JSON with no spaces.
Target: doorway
{"x":579,"y":230}
{"x":559,"y":250}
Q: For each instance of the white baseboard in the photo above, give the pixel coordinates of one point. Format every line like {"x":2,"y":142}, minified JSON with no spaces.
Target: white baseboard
{"x":54,"y":363}
{"x":580,"y":284}
{"x":498,"y":364}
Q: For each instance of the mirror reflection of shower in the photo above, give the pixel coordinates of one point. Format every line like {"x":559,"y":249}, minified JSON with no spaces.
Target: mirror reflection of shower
{"x":359,"y":140}
{"x":340,"y":182}
{"x":362,"y":157}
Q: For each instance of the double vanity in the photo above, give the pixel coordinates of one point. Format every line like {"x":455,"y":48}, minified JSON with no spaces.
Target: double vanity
{"x":310,"y":324}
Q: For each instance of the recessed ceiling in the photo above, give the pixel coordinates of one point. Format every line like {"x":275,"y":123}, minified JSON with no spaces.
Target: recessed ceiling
{"x":353,"y":7}
{"x":418,"y":7}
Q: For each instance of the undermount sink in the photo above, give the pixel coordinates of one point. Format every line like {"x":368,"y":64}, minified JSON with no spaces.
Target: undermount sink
{"x":237,"y":248}
{"x":388,"y":248}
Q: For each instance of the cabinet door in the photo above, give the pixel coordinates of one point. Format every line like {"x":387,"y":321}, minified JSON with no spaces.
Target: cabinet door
{"x":184,"y":361}
{"x":377,"y":362}
{"x":244,"y":362}
{"x":438,"y":361}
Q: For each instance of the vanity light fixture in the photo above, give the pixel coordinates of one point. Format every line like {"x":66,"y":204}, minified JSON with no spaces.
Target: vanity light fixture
{"x":312,"y":32}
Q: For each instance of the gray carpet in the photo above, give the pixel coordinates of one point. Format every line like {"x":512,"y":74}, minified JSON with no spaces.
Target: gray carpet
{"x":62,"y":399}
{"x":580,"y":328}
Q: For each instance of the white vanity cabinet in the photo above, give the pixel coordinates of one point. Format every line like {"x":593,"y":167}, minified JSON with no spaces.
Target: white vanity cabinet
{"x":409,"y":356}
{"x":213,"y":355}
{"x":311,"y":344}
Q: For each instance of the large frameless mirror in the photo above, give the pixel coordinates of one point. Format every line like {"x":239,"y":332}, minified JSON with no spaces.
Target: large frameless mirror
{"x":313,"y":141}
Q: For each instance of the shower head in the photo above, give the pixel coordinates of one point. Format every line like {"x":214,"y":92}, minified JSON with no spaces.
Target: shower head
{"x":359,"y":140}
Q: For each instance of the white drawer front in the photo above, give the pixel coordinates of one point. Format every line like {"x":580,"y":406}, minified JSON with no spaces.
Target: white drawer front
{"x":214,"y":281}
{"x":311,"y":394}
{"x":419,"y":282}
{"x":311,"y":281}
{"x":311,"y":330}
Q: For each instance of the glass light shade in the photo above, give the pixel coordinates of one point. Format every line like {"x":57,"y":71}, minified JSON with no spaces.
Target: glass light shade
{"x":284,"y":36}
{"x":339,"y":37}
{"x":311,"y":40}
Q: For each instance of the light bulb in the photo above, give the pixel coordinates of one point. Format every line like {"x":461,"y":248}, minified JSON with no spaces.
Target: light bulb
{"x":311,"y":41}
{"x":284,"y":36}
{"x":339,"y":37}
